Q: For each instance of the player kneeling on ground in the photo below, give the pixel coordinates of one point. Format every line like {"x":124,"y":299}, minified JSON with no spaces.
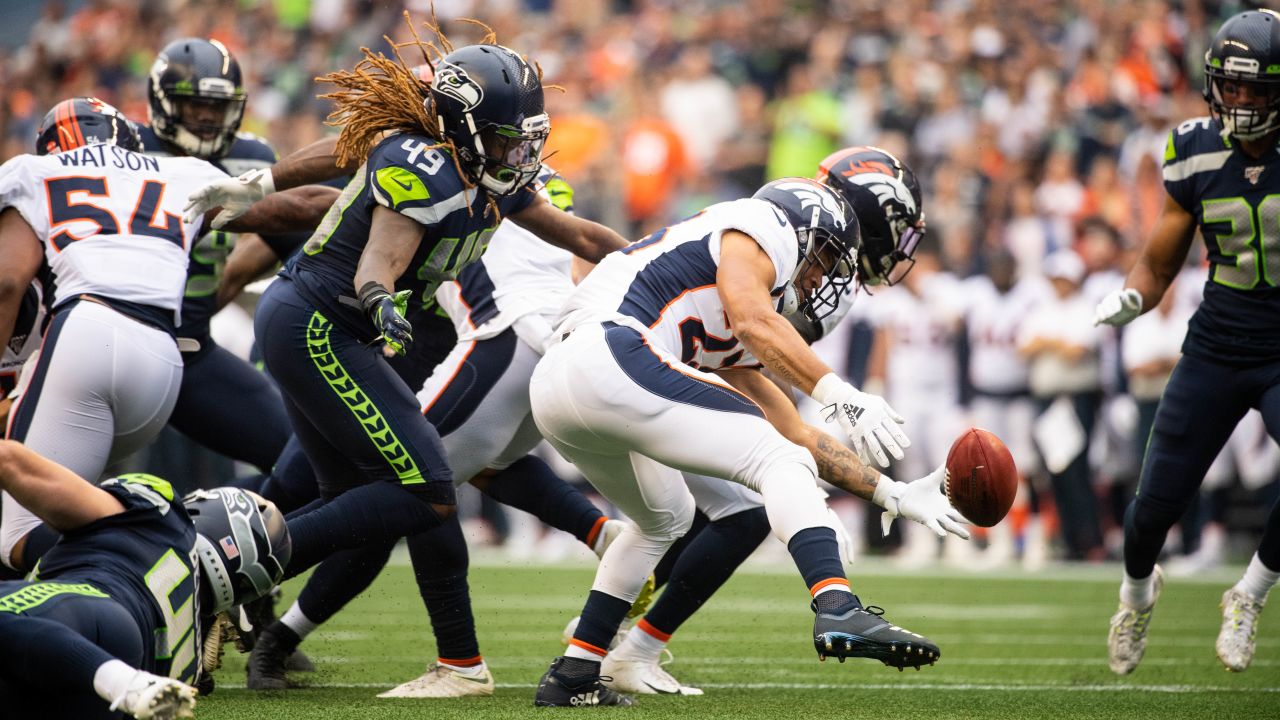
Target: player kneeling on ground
{"x":115,"y":616}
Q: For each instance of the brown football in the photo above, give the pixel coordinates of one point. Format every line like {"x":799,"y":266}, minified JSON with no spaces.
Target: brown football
{"x":981,"y":477}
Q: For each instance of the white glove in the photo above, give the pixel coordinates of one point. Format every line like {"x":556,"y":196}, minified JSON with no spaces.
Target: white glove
{"x":871,"y":424}
{"x":234,"y":195}
{"x":921,"y":501}
{"x":1118,"y":307}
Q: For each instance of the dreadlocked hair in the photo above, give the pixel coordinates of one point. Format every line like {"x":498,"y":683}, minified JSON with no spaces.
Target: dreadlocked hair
{"x":382,"y":94}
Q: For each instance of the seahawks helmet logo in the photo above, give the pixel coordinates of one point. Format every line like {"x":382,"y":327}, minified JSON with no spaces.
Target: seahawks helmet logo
{"x":887,"y":189}
{"x":812,"y":195}
{"x":454,"y":82}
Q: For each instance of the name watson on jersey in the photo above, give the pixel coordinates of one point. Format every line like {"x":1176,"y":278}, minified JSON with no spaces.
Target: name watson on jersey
{"x":96,"y":156}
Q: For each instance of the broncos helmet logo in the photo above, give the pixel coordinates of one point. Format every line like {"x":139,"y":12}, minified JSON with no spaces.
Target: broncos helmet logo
{"x":887,"y":189}
{"x":813,"y":195}
{"x":454,"y":82}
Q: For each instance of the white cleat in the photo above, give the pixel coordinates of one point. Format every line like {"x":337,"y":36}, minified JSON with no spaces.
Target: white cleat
{"x":1127,"y":640}
{"x":444,"y":682}
{"x":1240,"y":612}
{"x":151,"y":697}
{"x":567,"y":634}
{"x":641,"y":678}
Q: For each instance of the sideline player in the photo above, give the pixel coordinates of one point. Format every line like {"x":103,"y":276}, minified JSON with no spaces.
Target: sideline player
{"x":703,"y":295}
{"x":101,"y":218}
{"x":1222,"y":174}
{"x":116,"y":617}
{"x":196,"y":100}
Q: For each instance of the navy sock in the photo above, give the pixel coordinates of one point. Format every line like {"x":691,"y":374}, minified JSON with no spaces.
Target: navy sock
{"x":705,"y":565}
{"x":440,"y":562}
{"x":292,"y":482}
{"x":600,"y":619}
{"x":662,"y":573}
{"x":1269,"y":546}
{"x":39,"y":541}
{"x":817,"y":556}
{"x":376,"y":513}
{"x":340,"y":579}
{"x":531,"y":485}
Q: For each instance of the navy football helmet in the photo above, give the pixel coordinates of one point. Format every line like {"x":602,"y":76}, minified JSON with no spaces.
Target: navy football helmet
{"x":196,"y":97}
{"x":489,"y":104}
{"x":80,"y":121}
{"x":1245,"y":52}
{"x":242,"y":542}
{"x":827,"y":232}
{"x":886,"y":198}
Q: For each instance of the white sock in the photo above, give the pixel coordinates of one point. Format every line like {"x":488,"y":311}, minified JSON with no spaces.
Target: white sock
{"x":576,"y":651}
{"x":297,"y":622}
{"x":640,"y":646}
{"x":112,"y":679}
{"x":1258,"y":579}
{"x":1137,"y":593}
{"x":472,"y":670}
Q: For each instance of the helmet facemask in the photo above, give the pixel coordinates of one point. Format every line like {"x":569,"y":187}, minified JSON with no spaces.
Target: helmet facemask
{"x":508,"y":158}
{"x":822,"y":250}
{"x":203,"y":124}
{"x":889,"y":269}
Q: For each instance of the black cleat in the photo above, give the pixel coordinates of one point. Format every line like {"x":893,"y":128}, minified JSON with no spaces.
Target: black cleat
{"x":557,"y":690}
{"x":266,"y":666}
{"x":261,"y":614}
{"x":856,"y":631}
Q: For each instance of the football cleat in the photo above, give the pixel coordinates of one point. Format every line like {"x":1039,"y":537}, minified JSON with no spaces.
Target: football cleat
{"x":642,"y":678}
{"x":442,"y":681}
{"x":1235,"y":644}
{"x":857,"y":631}
{"x":1127,"y":640}
{"x":151,"y":697}
{"x":556,"y":690}
{"x":266,"y":667}
{"x":261,"y":613}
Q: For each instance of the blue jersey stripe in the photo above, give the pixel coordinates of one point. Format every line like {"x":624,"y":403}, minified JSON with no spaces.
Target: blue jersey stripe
{"x":668,"y":276}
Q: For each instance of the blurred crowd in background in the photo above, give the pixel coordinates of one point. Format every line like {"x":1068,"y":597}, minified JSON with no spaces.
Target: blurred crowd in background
{"x":1037,"y":130}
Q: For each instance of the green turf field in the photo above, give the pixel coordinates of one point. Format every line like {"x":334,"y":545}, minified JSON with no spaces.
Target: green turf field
{"x":1013,"y":646}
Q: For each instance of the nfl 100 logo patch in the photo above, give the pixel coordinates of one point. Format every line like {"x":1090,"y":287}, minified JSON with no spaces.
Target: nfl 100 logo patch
{"x":1253,"y":173}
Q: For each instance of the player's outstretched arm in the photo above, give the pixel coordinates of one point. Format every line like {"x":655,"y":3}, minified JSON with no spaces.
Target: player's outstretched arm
{"x":21,"y":253}
{"x":314,"y":163}
{"x":288,"y":211}
{"x":53,"y":493}
{"x":588,"y":240}
{"x":1158,"y":264}
{"x":921,"y":501}
{"x":251,"y":258}
{"x":745,"y":276}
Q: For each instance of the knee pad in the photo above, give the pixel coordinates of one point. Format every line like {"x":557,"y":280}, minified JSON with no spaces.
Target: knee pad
{"x":773,"y":459}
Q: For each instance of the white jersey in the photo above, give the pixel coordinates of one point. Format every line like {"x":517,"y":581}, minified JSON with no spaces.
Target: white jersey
{"x":922,"y":336}
{"x":994,"y":320}
{"x":665,"y":284}
{"x":519,"y":274}
{"x":110,"y":220}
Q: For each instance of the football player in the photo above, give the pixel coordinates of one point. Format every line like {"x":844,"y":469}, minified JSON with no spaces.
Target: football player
{"x":116,"y":617}
{"x":97,"y":219}
{"x":673,"y":332}
{"x":422,"y":206}
{"x":1222,"y":175}
{"x":196,"y":101}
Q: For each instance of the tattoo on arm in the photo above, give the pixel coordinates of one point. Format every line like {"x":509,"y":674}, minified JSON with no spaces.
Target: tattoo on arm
{"x":776,"y":360}
{"x":841,"y":467}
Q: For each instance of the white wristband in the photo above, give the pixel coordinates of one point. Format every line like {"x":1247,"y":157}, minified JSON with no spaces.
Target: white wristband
{"x":887,"y":489}
{"x":830,"y":389}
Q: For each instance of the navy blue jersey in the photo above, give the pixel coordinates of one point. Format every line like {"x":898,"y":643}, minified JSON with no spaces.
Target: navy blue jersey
{"x":1235,"y":200}
{"x":406,"y":174}
{"x":144,"y":559}
{"x":209,"y":253}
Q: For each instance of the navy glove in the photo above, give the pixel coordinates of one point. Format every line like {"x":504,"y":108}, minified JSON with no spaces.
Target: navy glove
{"x":386,"y":312}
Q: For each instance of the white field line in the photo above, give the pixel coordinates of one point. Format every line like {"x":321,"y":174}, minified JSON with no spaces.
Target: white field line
{"x":953,"y":687}
{"x":687,"y":662}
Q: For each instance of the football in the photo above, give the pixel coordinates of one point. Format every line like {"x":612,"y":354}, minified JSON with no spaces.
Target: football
{"x":981,"y":477}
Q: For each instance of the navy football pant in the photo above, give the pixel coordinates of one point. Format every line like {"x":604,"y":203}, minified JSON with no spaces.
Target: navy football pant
{"x":1201,"y":406}
{"x":50,"y":651}
{"x":358,"y":424}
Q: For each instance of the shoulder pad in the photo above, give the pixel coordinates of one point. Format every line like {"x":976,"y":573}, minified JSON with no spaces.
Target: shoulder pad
{"x":154,"y":490}
{"x":1195,"y":146}
{"x":407,"y":174}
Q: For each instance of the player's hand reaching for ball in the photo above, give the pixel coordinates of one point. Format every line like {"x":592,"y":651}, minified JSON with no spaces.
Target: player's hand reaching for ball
{"x":234,"y":195}
{"x":921,"y":501}
{"x":872,"y":426}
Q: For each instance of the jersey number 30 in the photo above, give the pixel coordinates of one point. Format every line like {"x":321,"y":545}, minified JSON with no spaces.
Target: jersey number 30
{"x":1253,"y":240}
{"x":146,"y":218}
